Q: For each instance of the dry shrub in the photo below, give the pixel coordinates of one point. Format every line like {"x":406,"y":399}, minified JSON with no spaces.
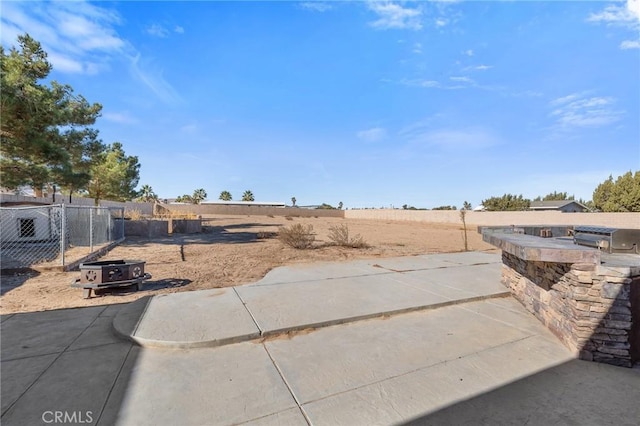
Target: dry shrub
{"x":297,"y":236}
{"x":288,"y":217}
{"x":339,"y":236}
{"x":134,"y":214}
{"x":177,"y":215}
{"x":264,"y":235}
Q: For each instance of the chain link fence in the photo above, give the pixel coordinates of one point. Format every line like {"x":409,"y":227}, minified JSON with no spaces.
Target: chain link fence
{"x":56,"y":235}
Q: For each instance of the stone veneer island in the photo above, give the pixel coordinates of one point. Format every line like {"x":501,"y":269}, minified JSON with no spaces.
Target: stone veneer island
{"x":589,"y":299}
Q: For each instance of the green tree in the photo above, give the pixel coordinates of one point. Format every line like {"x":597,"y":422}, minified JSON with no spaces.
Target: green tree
{"x":325,"y":206}
{"x":340,"y":205}
{"x":507,"y":202}
{"x":555,"y":196}
{"x":445,"y":208}
{"x":248,"y":196}
{"x":44,"y":136}
{"x":114,"y":176}
{"x":199,"y":195}
{"x":623,"y":195}
{"x":184,"y":199}
{"x":293,"y":201}
{"x":466,"y":205}
{"x":225,"y":196}
{"x":146,"y":194}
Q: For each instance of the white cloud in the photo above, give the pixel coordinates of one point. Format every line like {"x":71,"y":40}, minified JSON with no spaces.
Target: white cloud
{"x":394,"y":16}
{"x":630,"y":44}
{"x":626,"y":17}
{"x":578,"y":110}
{"x":468,"y":52}
{"x":466,"y":80}
{"x":153,"y":80}
{"x":80,"y":37}
{"x":119,"y":117}
{"x":481,"y":67}
{"x":619,"y":15}
{"x":421,"y":83}
{"x":315,"y":6}
{"x":157,"y":30}
{"x":454,"y":139}
{"x":374,"y":134}
{"x":178,"y":30}
{"x":417,"y":48}
{"x":441,"y":22}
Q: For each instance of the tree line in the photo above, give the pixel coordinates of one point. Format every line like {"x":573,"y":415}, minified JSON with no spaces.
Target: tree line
{"x":46,"y":138}
{"x":620,"y":195}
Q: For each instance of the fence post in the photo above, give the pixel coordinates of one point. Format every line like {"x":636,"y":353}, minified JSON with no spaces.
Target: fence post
{"x":63,"y":231}
{"x":122,"y":222}
{"x":90,"y":229}
{"x":109,"y":230}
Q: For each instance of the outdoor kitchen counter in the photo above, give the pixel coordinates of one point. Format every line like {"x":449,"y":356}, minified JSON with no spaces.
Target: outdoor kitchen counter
{"x":536,"y":249}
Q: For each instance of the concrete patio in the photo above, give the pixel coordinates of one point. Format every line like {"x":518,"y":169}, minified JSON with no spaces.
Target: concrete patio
{"x":432,"y":339}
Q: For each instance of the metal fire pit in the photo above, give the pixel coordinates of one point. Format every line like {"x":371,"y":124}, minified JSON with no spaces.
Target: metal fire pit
{"x":110,"y":274}
{"x":611,"y":240}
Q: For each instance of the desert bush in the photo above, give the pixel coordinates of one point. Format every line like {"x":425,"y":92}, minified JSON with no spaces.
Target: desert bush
{"x":288,"y":217}
{"x":133,"y":214}
{"x":339,"y":236}
{"x":297,"y":236}
{"x":177,"y":215}
{"x":264,"y":235}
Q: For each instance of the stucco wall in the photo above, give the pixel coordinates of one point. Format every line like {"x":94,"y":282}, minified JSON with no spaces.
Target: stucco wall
{"x":10,"y":199}
{"x":617,"y":220}
{"x":204,"y":209}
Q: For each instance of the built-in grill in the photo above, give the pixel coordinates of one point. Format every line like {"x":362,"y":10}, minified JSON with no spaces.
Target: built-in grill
{"x":611,"y":240}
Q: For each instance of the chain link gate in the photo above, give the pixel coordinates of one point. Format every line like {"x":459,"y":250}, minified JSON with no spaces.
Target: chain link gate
{"x":56,"y":235}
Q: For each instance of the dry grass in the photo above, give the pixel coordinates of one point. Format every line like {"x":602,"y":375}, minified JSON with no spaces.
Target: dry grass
{"x":134,"y":214}
{"x":339,"y":236}
{"x":297,"y":236}
{"x":233,"y":252}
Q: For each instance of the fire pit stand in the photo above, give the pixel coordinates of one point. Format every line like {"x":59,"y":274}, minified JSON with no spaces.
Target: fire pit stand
{"x":110,"y":274}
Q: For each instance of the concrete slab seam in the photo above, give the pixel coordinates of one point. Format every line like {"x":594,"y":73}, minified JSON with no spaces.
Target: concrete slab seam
{"x":163,"y":344}
{"x":113,"y":385}
{"x":415,"y":370}
{"x":263,"y":334}
{"x":248,"y":311}
{"x":286,"y":383}
{"x":504,"y":322}
{"x":322,"y":279}
{"x":341,"y":321}
{"x":8,"y":317}
{"x":50,"y":364}
{"x":144,"y":312}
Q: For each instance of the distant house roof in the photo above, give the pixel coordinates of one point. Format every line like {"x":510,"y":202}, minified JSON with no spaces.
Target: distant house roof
{"x":555,"y":205}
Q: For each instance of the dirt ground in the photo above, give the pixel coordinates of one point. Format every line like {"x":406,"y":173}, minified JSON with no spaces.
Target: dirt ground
{"x":233,"y":250}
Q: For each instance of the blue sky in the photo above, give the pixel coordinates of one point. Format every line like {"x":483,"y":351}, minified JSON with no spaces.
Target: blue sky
{"x":369,"y":103}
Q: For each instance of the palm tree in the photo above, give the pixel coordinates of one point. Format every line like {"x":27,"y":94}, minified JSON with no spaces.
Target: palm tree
{"x":225,"y":196}
{"x":248,"y":196}
{"x":199,"y":195}
{"x":147,"y":195}
{"x":293,"y":201}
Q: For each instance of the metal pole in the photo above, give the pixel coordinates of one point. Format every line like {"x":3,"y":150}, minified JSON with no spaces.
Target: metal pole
{"x":63,"y":233}
{"x":91,"y":230}
{"x":122,"y":222}
{"x":109,"y":236}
